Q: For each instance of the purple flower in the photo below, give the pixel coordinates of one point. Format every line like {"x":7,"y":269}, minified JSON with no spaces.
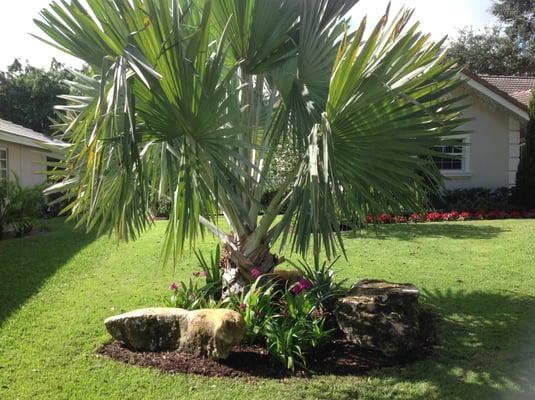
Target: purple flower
{"x":301,"y":286}
{"x":256,"y":273}
{"x":173,"y":286}
{"x":243,"y":306}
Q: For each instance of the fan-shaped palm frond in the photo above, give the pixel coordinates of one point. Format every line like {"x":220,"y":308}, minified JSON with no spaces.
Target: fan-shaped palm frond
{"x":190,"y":99}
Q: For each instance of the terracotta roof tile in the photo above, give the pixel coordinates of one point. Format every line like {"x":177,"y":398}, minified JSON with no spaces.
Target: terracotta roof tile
{"x":518,"y":87}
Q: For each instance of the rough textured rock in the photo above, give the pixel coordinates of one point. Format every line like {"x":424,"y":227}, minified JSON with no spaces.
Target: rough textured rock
{"x":381,"y":316}
{"x":211,"y":332}
{"x":287,"y":277}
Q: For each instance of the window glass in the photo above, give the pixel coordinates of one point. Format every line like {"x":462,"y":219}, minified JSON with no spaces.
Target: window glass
{"x":454,"y":160}
{"x":3,"y":164}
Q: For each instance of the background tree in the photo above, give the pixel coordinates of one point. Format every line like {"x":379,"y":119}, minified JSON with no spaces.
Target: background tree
{"x":192,"y":98}
{"x":506,"y":49}
{"x":525,"y":176}
{"x":28,"y":94}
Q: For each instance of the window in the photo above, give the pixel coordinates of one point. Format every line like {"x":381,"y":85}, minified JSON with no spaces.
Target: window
{"x":456,"y":158}
{"x":3,"y":164}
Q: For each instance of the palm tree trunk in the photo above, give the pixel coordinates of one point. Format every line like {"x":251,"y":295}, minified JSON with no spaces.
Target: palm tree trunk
{"x":240,"y":267}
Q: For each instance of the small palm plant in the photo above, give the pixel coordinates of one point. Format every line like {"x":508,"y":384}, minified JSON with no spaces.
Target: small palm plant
{"x":192,"y":99}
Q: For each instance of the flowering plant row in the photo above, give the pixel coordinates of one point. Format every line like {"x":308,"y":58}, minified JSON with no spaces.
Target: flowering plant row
{"x":434,"y":216}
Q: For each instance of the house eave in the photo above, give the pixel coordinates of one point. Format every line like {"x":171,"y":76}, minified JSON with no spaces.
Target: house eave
{"x":501,"y":98}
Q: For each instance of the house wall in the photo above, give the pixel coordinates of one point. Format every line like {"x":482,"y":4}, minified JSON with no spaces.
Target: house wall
{"x":25,"y":161}
{"x":493,"y":150}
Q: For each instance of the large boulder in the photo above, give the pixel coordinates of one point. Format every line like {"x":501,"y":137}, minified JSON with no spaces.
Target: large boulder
{"x":381,"y":316}
{"x":210,"y":332}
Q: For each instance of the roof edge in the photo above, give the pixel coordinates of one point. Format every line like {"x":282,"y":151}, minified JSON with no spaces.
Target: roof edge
{"x":505,"y":96}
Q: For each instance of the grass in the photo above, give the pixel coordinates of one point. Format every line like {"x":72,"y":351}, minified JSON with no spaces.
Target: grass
{"x":56,"y":289}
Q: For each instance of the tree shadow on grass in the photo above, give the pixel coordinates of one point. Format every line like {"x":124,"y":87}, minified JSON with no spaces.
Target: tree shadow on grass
{"x":451,"y":230}
{"x":26,"y":263}
{"x":486,"y":350}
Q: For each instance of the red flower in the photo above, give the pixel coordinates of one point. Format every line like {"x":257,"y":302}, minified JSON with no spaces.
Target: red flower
{"x":370,"y":219}
{"x":415,"y":217}
{"x":503,"y":214}
{"x":173,"y":286}
{"x":492,"y":214}
{"x":434,"y":216}
{"x":385,"y":219}
{"x":465,"y":216}
{"x":402,"y":219}
{"x":243,"y":306}
{"x":479,"y":214}
{"x":517,"y":214}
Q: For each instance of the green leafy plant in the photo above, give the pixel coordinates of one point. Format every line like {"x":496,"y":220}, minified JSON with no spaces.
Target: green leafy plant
{"x":298,"y":329}
{"x":191,"y":296}
{"x":324,"y":287}
{"x":212,"y":272}
{"x":257,"y":306}
{"x":20,"y":207}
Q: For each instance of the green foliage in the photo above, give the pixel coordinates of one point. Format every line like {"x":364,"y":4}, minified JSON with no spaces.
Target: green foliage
{"x":288,"y":322}
{"x":212,"y":272}
{"x":525,"y":176}
{"x":194,"y":102}
{"x":191,"y":296}
{"x":20,"y":207}
{"x":257,"y":306}
{"x":296,"y":331}
{"x":325,"y":288}
{"x":28,"y":94}
{"x":475,"y":199}
{"x":505,"y":49}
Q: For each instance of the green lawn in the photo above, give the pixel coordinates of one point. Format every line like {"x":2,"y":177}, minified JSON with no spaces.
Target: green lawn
{"x":56,"y":289}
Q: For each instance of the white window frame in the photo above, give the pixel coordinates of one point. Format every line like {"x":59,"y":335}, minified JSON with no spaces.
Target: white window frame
{"x":466,"y":170}
{"x":4,"y":150}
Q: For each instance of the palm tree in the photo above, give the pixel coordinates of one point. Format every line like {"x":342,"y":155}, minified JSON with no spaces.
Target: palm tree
{"x":191,"y":99}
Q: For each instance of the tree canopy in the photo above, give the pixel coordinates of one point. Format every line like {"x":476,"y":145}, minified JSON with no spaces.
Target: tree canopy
{"x":28,"y":94}
{"x":193,"y":98}
{"x":504,"y":49}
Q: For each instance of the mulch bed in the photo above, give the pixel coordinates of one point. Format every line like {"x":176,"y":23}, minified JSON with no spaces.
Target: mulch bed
{"x":339,"y":357}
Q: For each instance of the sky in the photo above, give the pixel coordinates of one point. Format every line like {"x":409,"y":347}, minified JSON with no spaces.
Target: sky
{"x":438,"y":17}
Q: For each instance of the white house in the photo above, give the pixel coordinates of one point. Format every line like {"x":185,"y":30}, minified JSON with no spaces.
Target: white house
{"x":24,"y":152}
{"x":498,"y":109}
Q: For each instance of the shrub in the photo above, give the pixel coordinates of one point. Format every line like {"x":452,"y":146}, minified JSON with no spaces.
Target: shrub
{"x":525,"y":177}
{"x":20,"y":208}
{"x":323,"y":284}
{"x":475,"y":199}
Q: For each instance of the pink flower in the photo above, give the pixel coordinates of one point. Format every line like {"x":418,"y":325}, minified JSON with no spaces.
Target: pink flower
{"x":256,"y":273}
{"x":243,"y":306}
{"x":301,"y":286}
{"x":173,"y":286}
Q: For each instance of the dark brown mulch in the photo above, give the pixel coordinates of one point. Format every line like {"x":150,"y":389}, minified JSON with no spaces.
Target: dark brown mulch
{"x":339,"y":357}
